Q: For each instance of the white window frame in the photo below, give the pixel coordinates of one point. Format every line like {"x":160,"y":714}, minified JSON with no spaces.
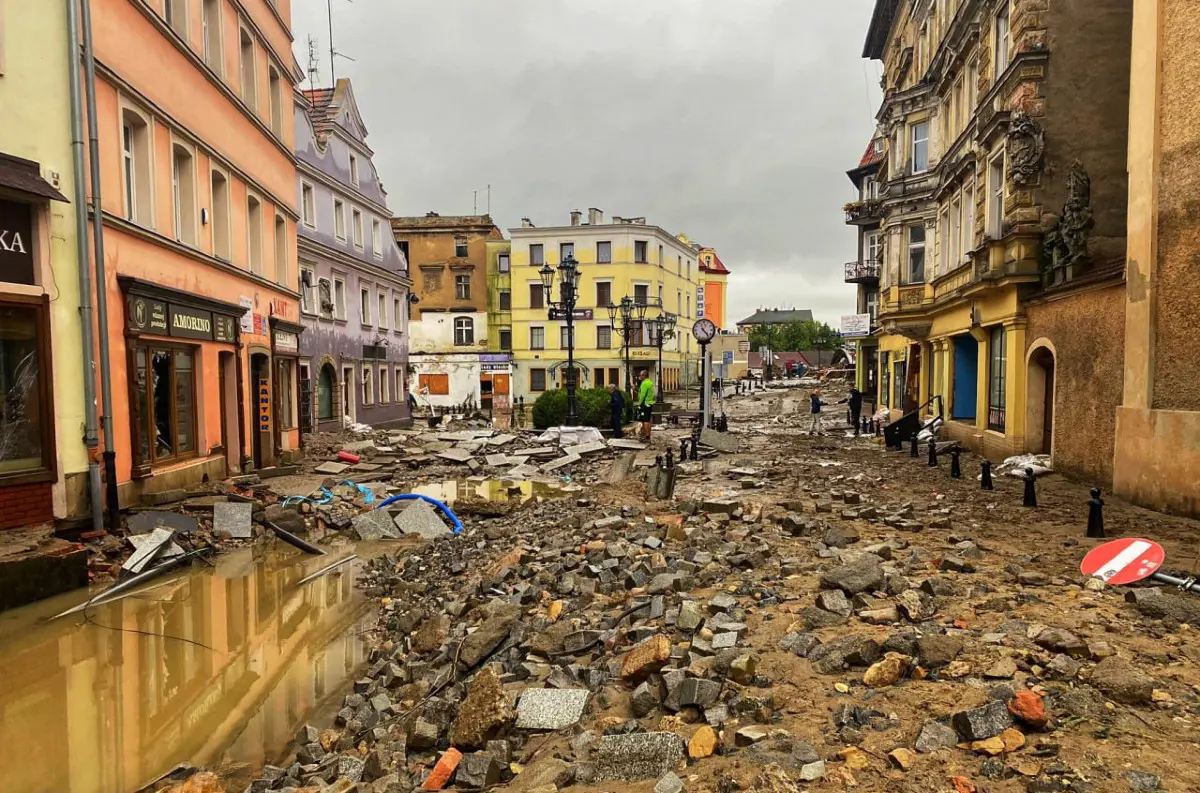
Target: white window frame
{"x":596,"y":288}
{"x":368,"y":383}
{"x":353,"y":169}
{"x":339,"y":296}
{"x":381,"y":310}
{"x":911,"y":246}
{"x":1002,"y":39}
{"x":218,"y":216}
{"x":356,"y":226}
{"x":384,"y":382}
{"x":250,"y":90}
{"x":504,"y":262}
{"x":914,"y":142}
{"x":995,"y":195}
{"x":186,"y":221}
{"x":308,"y":294}
{"x":137,"y":156}
{"x":469,"y":326}
{"x":212,"y":29}
{"x":377,"y":237}
{"x":254,"y":262}
{"x":339,"y":219}
{"x":968,"y":220}
{"x":365,"y":302}
{"x":397,"y":313}
{"x":542,"y":330}
{"x":308,"y":204}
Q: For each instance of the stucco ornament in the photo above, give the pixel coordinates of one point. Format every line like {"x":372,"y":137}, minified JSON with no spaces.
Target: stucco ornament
{"x":1066,"y":241}
{"x":1026,"y":148}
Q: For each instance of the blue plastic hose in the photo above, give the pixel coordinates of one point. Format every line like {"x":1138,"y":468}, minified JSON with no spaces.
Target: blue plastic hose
{"x":445,"y":510}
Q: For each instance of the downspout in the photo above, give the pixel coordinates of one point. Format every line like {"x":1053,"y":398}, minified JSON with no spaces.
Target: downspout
{"x":110,"y":455}
{"x":90,"y":432}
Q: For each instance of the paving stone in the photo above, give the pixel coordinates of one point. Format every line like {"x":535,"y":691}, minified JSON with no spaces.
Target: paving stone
{"x":456,"y":455}
{"x":669,"y":783}
{"x":234,"y":519}
{"x":421,"y":518}
{"x":586,"y":448}
{"x":627,"y":443}
{"x":478,"y":770}
{"x":723,"y":641}
{"x":331,"y":468}
{"x":496,"y":460}
{"x":646,"y":755}
{"x":699,"y":692}
{"x":377,"y":524}
{"x":550,"y":709}
{"x":978,"y":724}
{"x":500,"y":440}
{"x":863,"y":575}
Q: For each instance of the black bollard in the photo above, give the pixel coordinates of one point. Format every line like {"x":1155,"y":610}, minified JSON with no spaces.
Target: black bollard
{"x":658,"y":461}
{"x":862,"y":429}
{"x":914,"y":448}
{"x":955,"y":467}
{"x":683,"y":448}
{"x":695,"y":444}
{"x":1095,"y":515}
{"x":670,"y":458}
{"x":985,"y":481}
{"x":933,"y":463}
{"x":1030,"y":499}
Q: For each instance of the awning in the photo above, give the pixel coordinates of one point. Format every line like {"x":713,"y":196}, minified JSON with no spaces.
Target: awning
{"x":25,"y":176}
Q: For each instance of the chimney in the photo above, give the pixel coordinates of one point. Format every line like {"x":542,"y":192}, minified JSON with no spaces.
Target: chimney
{"x":526,"y":223}
{"x":618,"y":220}
{"x":595,"y":216}
{"x":575,"y":216}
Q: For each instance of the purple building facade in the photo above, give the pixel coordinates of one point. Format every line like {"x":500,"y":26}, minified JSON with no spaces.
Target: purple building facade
{"x":354,"y":281}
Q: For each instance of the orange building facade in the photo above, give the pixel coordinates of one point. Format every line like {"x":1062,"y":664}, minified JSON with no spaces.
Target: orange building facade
{"x":195,"y":121}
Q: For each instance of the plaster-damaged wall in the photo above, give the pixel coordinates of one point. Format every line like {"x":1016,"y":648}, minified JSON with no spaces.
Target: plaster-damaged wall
{"x":1087,"y":330}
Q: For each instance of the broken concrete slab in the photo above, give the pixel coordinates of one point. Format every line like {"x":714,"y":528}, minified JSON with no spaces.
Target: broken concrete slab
{"x":148,"y":520}
{"x":374,"y":525}
{"x":332,"y":469}
{"x":234,"y":519}
{"x":721,"y":441}
{"x":149,"y":548}
{"x":496,"y":460}
{"x":501,"y":440}
{"x":550,"y":709}
{"x":561,"y":462}
{"x":456,"y":455}
{"x":626,"y":443}
{"x":421,"y":518}
{"x":586,"y":448}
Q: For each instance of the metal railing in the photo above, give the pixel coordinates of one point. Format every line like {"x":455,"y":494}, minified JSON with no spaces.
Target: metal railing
{"x":866,"y":270}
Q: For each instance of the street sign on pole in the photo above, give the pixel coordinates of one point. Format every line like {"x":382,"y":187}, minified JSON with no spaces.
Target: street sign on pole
{"x":1123,"y":561}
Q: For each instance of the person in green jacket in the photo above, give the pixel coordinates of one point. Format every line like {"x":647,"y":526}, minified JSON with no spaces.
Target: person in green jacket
{"x":645,"y":403}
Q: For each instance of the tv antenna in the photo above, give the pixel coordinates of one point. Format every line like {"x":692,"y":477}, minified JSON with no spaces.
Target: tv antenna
{"x":333,"y":53}
{"x":475,"y":204}
{"x":314,"y":61}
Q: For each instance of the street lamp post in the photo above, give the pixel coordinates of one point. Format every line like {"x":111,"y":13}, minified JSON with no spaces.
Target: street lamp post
{"x":664,"y":327}
{"x":632,"y":314}
{"x":564,"y":308}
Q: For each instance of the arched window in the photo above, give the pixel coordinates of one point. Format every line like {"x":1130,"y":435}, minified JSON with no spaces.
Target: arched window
{"x":464,"y":331}
{"x":326,"y":388}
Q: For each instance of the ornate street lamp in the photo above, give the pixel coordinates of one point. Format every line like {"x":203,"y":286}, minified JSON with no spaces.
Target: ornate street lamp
{"x":625,"y":312}
{"x":564,"y":308}
{"x":664,"y":330}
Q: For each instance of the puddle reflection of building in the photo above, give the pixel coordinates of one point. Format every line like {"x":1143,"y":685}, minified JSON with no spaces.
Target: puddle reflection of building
{"x":85,"y":709}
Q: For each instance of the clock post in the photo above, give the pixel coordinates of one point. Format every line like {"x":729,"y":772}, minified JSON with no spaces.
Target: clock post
{"x":704,"y":331}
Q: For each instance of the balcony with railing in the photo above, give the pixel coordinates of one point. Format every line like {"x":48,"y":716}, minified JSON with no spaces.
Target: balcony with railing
{"x":862,"y":272}
{"x":864,"y":212}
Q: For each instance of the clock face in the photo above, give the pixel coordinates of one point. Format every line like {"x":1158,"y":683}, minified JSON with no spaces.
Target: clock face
{"x":704,"y":330}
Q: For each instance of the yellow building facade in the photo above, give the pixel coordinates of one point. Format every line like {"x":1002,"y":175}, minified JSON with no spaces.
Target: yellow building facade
{"x":43,"y":460}
{"x":623,"y":257}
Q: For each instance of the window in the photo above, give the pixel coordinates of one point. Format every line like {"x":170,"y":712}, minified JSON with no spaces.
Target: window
{"x":357,"y":226}
{"x":598,"y":378}
{"x":954,"y":240}
{"x":565,"y":339}
{"x":537,"y":256}
{"x":1001,"y":42}
{"x":211,"y":22}
{"x":382,"y":311}
{"x":353,"y":169}
{"x":505,"y":300}
{"x":308,"y":282}
{"x":997,"y":378}
{"x":135,"y":141}
{"x":281,"y":250}
{"x":689,"y":269}
{"x":641,"y":294}
{"x":603,"y":294}
{"x":175,"y":12}
{"x":283,"y":385}
{"x":942,"y":253}
{"x":915,"y":274}
{"x":566,"y":250}
{"x":254,"y":232}
{"x":873,"y":306}
{"x":368,"y":385}
{"x":920,"y":147}
{"x":660,"y":294}
{"x":995,"y":227}
{"x":603,"y":338}
{"x":339,"y":219}
{"x":165,"y":385}
{"x":614,"y":376}
{"x":460,"y":247}
{"x":898,"y":385}
{"x":679,"y":264}
{"x":687,"y":303}
{"x":537,"y":338}
{"x":275,"y":86}
{"x":249,"y":91}
{"x":399,"y":392}
{"x":384,"y":380}
{"x":403,"y":246}
{"x":536,"y":297}
{"x":506,"y":339}
{"x":434,"y":384}
{"x":679,"y":302}
{"x":502,"y":262}
{"x":537,"y":379}
{"x":308,"y":205}
{"x":464,"y":331}
{"x":377,"y":238}
{"x":462,"y":287}
{"x":327,"y":388}
{"x":885,"y":392}
{"x":872,"y":247}
{"x":396,"y":315}
{"x":968,"y":219}
{"x":26,"y":421}
{"x":639,"y":251}
{"x":325,"y":298}
{"x":603,"y":254}
{"x":339,"y":298}
{"x":364,"y":305}
{"x":183,"y":187}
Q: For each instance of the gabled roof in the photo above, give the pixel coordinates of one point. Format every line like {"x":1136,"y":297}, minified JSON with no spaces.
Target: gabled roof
{"x":777,"y":317}
{"x":871,"y":161}
{"x":325,"y":110}
{"x":717,"y":267}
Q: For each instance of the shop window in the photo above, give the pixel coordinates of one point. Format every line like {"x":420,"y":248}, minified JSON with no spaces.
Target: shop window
{"x":997,"y":379}
{"x":434,"y":384}
{"x":135,"y":145}
{"x":220,"y":216}
{"x":25,"y":423}
{"x":537,"y":379}
{"x":464,"y":331}
{"x":183,"y":186}
{"x":165,"y":390}
{"x":898,"y":385}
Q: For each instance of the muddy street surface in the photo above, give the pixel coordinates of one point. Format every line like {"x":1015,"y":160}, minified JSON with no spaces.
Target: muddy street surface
{"x":806,"y":613}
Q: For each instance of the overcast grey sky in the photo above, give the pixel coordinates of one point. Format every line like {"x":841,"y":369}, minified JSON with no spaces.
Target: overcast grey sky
{"x":732,"y":121}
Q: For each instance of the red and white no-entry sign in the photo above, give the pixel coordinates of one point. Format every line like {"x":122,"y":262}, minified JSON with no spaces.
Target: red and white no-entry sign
{"x":1123,"y":561}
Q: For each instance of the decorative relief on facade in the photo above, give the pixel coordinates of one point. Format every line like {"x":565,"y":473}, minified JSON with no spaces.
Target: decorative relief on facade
{"x":1026,"y":148}
{"x":1066,"y":243}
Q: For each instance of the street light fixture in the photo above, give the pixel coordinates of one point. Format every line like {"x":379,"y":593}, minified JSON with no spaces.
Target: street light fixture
{"x":664,"y":327}
{"x":564,"y":309}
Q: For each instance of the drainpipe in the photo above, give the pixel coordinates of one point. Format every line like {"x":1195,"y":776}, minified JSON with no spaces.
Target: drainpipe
{"x":90,"y":433}
{"x":110,"y":455}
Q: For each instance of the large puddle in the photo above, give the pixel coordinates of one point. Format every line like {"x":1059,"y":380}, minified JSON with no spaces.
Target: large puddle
{"x":109,"y":704}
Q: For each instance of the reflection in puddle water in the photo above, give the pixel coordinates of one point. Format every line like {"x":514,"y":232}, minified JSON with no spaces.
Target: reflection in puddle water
{"x":88,"y":709}
{"x":498,"y":490}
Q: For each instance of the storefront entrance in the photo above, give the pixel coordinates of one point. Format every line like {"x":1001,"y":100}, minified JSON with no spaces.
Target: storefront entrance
{"x":262,"y":439}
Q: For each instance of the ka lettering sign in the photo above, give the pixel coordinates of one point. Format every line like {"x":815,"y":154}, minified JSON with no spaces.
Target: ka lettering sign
{"x":16,"y":243}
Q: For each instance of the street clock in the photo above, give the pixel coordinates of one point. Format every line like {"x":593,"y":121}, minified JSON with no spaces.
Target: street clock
{"x":704,"y":330}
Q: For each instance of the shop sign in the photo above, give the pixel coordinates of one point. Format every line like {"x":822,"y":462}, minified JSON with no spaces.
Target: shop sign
{"x":188,"y":323}
{"x":224,"y":329}
{"x":494,"y":367}
{"x":148,"y":316}
{"x":579,"y":313}
{"x":286,"y":341}
{"x":264,"y":405}
{"x":642,"y":354}
{"x":16,"y":242}
{"x":856,"y":325}
{"x":248,"y":317}
{"x":700,"y":300}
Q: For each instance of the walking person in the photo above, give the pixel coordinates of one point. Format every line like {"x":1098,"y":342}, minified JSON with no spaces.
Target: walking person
{"x":816,"y":427}
{"x":855,"y":401}
{"x":645,"y":403}
{"x":616,"y":402}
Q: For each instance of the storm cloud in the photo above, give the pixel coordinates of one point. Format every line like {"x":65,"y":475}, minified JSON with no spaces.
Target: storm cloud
{"x":732,"y":121}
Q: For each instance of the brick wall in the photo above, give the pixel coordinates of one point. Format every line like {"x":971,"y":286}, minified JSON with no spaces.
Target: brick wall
{"x":24,"y":505}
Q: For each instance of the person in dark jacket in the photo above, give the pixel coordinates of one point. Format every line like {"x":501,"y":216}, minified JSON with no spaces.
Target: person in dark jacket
{"x":816,"y":428}
{"x":855,"y":404}
{"x":617,"y":404}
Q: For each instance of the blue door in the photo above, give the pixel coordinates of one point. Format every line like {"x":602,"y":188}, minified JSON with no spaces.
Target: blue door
{"x":966,"y":376}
